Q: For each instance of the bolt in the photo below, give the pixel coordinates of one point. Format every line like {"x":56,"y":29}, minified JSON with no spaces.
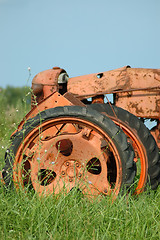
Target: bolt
{"x":79,"y":175}
{"x":105,"y":191}
{"x":67,"y":163}
{"x":63,"y":173}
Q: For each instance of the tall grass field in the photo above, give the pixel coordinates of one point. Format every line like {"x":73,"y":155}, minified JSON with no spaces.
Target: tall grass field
{"x":25,"y":215}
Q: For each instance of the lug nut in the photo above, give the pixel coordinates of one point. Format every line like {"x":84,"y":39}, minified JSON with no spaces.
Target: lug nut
{"x":77,"y":164}
{"x":105,"y":191}
{"x":79,"y":175}
{"x":63,"y":173}
{"x":67,"y":163}
{"x":71,"y":180}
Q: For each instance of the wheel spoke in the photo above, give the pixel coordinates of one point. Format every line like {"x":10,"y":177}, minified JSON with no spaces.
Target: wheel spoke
{"x":96,"y":183}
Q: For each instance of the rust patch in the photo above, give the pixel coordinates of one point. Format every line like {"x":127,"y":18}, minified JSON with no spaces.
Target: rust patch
{"x":138,"y":109}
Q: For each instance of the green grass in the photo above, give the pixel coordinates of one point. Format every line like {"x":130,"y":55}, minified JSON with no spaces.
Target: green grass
{"x":24,"y":215}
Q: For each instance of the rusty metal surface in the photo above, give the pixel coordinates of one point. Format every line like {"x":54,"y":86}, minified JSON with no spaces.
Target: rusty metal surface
{"x":73,"y":100}
{"x":140,"y":103}
{"x":45,"y":83}
{"x":54,"y":100}
{"x":143,"y":104}
{"x":48,"y":77}
{"x":80,"y":145}
{"x":93,"y":84}
{"x":124,"y":78}
{"x":135,"y":89}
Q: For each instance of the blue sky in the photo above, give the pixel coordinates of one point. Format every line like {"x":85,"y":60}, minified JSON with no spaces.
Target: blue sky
{"x":85,"y":36}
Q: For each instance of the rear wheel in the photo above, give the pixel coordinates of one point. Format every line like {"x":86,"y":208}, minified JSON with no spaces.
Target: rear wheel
{"x":145,"y":147}
{"x":67,"y":147}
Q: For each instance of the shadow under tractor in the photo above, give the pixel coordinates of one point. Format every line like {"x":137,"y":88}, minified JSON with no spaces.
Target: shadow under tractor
{"x":73,"y":137}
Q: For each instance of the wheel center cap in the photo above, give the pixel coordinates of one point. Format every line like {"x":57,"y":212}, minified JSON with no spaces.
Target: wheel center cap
{"x":72,"y":172}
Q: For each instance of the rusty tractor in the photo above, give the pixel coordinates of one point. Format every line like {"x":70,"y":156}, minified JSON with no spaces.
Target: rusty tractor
{"x":73,"y":138}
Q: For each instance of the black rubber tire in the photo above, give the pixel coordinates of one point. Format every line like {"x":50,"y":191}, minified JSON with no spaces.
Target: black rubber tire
{"x":142,"y":133}
{"x":106,"y":124}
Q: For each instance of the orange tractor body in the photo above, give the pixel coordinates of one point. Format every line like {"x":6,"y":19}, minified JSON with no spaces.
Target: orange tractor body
{"x":136,"y":90}
{"x":88,"y":143}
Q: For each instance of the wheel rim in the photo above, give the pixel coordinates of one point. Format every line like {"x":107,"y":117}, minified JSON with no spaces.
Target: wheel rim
{"x":140,"y":156}
{"x":64,"y":153}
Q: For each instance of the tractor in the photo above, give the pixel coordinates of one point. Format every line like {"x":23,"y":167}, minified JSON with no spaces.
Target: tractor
{"x":73,"y":138}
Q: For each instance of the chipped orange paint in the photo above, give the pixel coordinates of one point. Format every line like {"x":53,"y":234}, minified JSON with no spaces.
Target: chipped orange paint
{"x":135,"y":89}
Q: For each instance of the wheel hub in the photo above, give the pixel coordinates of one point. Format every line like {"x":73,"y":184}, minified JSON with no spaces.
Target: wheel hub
{"x":71,"y":169}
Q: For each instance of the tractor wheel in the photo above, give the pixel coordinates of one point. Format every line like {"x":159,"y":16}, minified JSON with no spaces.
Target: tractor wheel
{"x":66,"y":147}
{"x":143,"y":143}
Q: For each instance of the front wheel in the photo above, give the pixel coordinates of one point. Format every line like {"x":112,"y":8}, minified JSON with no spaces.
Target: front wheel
{"x":67,"y":147}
